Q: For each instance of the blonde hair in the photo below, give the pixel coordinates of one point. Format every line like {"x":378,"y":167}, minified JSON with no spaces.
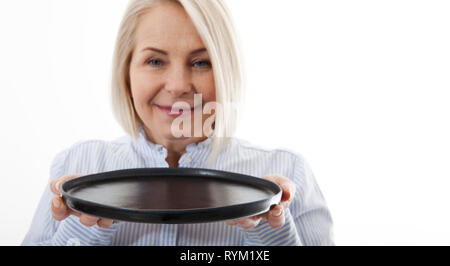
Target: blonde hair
{"x":215,"y":27}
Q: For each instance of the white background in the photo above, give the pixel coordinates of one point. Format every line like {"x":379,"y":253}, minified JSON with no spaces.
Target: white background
{"x":360,"y":88}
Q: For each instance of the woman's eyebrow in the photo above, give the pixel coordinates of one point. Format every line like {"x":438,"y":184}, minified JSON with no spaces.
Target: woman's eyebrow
{"x":196,"y":51}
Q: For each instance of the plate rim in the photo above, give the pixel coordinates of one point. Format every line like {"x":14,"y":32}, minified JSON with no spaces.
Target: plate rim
{"x":169,"y":215}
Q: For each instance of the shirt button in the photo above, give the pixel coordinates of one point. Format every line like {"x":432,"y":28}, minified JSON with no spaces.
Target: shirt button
{"x":187,"y":159}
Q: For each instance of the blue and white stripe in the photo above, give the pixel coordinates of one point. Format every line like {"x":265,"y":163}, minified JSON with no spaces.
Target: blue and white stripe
{"x":308,"y":220}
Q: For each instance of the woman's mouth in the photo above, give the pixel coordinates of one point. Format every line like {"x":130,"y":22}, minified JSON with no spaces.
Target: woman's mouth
{"x":167,"y":109}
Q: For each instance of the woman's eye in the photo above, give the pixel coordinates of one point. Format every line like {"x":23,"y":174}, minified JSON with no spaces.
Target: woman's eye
{"x":202,"y":64}
{"x":154,"y":62}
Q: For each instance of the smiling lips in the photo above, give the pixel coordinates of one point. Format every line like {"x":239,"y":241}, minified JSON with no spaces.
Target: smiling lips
{"x":167,"y":109}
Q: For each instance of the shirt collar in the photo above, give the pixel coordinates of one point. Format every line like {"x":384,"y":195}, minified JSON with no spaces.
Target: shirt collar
{"x":192,"y":149}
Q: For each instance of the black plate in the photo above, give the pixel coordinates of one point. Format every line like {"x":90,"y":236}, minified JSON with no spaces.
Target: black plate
{"x":170,"y":195}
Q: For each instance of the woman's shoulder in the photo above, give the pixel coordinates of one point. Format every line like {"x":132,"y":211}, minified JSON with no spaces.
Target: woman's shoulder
{"x":280,"y":160}
{"x":93,"y":146}
{"x":90,"y":155}
{"x":283,"y":160}
{"x":250,"y":147}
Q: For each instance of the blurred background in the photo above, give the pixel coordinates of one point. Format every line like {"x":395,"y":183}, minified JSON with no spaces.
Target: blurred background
{"x":360,"y":88}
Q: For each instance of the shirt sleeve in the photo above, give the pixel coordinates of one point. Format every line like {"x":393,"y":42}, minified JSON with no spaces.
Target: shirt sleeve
{"x":45,"y":230}
{"x":307,"y":220}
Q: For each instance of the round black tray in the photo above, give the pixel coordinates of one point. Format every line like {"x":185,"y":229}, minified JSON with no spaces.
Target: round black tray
{"x":170,"y":195}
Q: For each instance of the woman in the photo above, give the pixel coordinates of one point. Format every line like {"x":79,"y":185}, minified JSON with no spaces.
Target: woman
{"x":169,"y":52}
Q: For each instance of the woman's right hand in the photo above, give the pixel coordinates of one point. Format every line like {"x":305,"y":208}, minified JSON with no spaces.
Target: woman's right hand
{"x":60,"y":211}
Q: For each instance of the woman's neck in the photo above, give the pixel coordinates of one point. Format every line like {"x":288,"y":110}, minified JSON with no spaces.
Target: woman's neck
{"x":172,"y":159}
{"x":175,"y":149}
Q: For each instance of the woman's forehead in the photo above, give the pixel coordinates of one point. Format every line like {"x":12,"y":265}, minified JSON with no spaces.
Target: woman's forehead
{"x":162,"y":26}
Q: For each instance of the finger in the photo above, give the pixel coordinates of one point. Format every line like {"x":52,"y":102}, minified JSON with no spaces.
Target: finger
{"x":276,"y":217}
{"x":264,"y":217}
{"x":286,"y":185}
{"x":104,"y":223}
{"x":88,"y":220}
{"x":72,"y":212}
{"x":56,"y":183}
{"x":59,"y":209}
{"x":249,"y":223}
{"x":231,"y":222}
{"x":288,"y":188}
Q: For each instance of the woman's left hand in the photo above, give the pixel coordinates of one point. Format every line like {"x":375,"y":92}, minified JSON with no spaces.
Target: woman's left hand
{"x":275,"y":216}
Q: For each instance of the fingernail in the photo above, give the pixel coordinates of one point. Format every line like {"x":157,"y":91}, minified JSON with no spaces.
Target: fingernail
{"x":58,"y":185}
{"x":277,"y":213}
{"x":56,"y":203}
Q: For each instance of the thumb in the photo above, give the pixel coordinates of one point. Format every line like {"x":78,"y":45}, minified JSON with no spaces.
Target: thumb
{"x":55,"y":184}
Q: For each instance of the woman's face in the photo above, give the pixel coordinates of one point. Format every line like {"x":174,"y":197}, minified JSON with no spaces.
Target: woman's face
{"x":169,"y":64}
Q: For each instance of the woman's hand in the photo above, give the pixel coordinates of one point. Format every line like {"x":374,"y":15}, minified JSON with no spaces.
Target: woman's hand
{"x":60,"y":211}
{"x":275,"y":217}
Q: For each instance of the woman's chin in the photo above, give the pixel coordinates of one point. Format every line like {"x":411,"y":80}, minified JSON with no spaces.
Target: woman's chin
{"x":174,"y":135}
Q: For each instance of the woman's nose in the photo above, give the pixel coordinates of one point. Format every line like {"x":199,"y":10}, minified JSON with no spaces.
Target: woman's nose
{"x":178,"y":81}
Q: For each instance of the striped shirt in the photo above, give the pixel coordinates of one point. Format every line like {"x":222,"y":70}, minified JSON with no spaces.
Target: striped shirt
{"x":308,"y":220}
